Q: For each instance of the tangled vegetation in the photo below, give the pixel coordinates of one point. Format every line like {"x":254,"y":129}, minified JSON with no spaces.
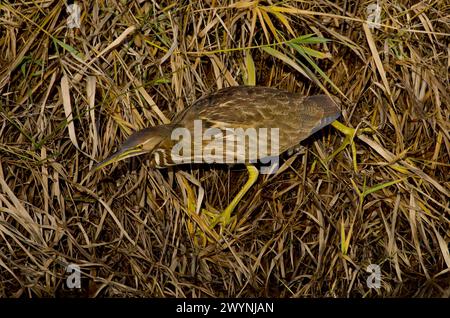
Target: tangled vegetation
{"x":70,"y":96}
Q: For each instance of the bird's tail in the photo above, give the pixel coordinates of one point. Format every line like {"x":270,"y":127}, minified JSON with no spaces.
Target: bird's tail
{"x":329,"y":106}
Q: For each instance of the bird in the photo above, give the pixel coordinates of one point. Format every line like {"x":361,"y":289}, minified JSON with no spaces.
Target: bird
{"x":224,"y":115}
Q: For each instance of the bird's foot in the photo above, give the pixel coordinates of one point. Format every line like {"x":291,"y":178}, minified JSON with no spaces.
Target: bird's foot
{"x":204,"y":223}
{"x":203,"y":229}
{"x":225,"y":219}
{"x":350,"y":134}
{"x":198,"y":224}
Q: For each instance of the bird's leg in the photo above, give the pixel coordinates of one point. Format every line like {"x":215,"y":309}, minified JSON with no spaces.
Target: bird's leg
{"x":206,"y":232}
{"x":349,"y":133}
{"x":225,"y":217}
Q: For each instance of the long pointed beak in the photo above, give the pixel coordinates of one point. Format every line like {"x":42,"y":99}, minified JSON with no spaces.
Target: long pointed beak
{"x":119,"y":155}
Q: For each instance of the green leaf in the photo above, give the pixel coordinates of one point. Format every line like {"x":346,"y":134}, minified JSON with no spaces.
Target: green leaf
{"x":379,"y":187}
{"x":309,"y":39}
{"x":303,"y":53}
{"x":250,"y":65}
{"x":285,"y":59}
{"x":67,"y":47}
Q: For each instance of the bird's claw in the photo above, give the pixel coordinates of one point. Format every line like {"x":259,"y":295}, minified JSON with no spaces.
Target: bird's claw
{"x":350,"y":134}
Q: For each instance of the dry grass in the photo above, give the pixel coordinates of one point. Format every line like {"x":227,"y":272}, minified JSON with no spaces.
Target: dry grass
{"x":69,"y":97}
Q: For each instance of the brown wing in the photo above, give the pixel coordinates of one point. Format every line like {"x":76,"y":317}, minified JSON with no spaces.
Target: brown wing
{"x":239,"y":106}
{"x":296,"y":117}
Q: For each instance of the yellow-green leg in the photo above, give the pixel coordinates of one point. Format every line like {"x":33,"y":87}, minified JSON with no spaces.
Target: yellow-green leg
{"x":349,"y":133}
{"x":225,"y":216}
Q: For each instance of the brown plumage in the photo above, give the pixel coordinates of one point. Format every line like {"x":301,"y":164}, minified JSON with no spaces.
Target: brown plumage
{"x":295,"y":116}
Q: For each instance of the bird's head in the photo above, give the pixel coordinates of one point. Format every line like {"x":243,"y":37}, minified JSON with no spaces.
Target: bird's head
{"x":141,"y":142}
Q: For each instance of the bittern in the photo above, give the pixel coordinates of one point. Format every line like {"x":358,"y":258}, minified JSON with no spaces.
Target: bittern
{"x":295,"y":117}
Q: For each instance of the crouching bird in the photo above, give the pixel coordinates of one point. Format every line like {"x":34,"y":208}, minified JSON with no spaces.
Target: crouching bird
{"x":241,"y":124}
